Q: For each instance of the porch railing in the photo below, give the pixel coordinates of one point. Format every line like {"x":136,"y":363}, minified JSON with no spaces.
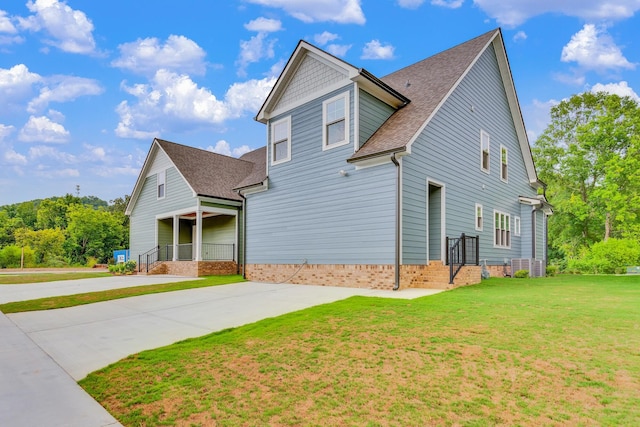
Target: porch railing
{"x":210,"y":252}
{"x":461,"y":251}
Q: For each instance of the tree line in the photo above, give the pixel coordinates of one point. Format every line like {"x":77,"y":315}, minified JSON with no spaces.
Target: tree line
{"x":62,"y":231}
{"x":589,"y":157}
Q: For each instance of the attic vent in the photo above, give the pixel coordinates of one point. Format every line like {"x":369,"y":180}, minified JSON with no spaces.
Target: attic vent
{"x":407,"y":84}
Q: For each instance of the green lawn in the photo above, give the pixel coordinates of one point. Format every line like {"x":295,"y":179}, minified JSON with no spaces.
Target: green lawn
{"x":556,"y":351}
{"x":21,"y":278}
{"x":91,"y":297}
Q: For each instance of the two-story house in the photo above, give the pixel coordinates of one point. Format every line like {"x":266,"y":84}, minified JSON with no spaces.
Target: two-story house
{"x":371,"y":182}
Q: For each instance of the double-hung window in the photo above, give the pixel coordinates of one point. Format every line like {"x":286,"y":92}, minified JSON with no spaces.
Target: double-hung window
{"x":162,"y":183}
{"x":335,"y":121}
{"x":503,"y":163}
{"x":484,"y":151}
{"x":281,"y":141}
{"x":478,"y":217}
{"x":502,"y":230}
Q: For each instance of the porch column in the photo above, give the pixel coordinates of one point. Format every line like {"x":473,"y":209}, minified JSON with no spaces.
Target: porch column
{"x":176,"y":236}
{"x":198,"y":243}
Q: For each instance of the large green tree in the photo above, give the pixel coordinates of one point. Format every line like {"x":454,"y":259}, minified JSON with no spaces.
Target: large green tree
{"x":92,"y":233}
{"x":589,"y":155}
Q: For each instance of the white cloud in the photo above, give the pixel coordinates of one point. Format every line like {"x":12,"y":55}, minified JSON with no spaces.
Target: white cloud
{"x":451,"y":4}
{"x":338,"y":49}
{"x":17,"y":82}
{"x":14,"y":158}
{"x":620,"y":89}
{"x":254,"y":50}
{"x":264,"y":25}
{"x":410,"y":4}
{"x":146,"y":56}
{"x":324,"y":38}
{"x":514,"y":13}
{"x":6,"y":26}
{"x":5,"y":131}
{"x":340,"y":11}
{"x":520,"y":35}
{"x":48,"y":152}
{"x":42,"y":129}
{"x":593,"y":48}
{"x":64,"y":89}
{"x":70,"y":30}
{"x":376,"y":50}
{"x":172,"y":101}
{"x":223,"y":147}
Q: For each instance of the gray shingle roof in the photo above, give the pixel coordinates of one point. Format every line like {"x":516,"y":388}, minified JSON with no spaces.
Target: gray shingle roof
{"x":211,"y":174}
{"x":430,"y":80}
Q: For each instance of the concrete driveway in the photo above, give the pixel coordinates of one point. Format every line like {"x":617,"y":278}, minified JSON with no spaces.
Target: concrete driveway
{"x":49,"y":349}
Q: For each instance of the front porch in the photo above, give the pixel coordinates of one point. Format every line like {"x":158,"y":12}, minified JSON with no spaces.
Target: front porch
{"x":197,"y":242}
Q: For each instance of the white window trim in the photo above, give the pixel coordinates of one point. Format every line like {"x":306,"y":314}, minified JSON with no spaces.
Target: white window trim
{"x":516,"y":226}
{"x":488,"y":168}
{"x":478,"y":205}
{"x":508,"y":229}
{"x":161,"y":179}
{"x":325,"y":146}
{"x":273,"y":142}
{"x":502,"y":177}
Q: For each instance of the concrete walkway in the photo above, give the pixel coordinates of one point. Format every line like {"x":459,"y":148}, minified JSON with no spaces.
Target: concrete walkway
{"x":25,"y":292}
{"x":49,"y":349}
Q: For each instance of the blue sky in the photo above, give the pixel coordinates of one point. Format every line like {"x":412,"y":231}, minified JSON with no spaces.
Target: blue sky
{"x":85,"y":86}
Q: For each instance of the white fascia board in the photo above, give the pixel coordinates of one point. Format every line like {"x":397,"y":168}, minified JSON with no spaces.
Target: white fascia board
{"x":290,"y":69}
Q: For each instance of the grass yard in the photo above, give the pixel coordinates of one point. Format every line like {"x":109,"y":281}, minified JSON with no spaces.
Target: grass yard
{"x":21,"y":278}
{"x":64,"y":301}
{"x":555,"y":351}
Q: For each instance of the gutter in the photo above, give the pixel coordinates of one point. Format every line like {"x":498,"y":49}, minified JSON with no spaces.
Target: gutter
{"x":244,"y":235}
{"x":396,"y":285}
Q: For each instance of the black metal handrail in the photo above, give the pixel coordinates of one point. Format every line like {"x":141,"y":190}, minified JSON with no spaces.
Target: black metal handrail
{"x":210,"y":252}
{"x":461,"y":251}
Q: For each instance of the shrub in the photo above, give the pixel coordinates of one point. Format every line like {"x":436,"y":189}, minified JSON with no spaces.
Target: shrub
{"x":130,"y":266}
{"x":552,"y":270}
{"x":607,"y":257}
{"x":521,"y":274}
{"x":10,"y":257}
{"x":91,"y":261}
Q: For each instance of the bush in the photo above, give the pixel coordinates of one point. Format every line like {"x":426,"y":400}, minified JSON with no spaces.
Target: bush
{"x":91,"y":261}
{"x":521,"y":274}
{"x":608,"y":257}
{"x":552,"y":270}
{"x":10,"y":257}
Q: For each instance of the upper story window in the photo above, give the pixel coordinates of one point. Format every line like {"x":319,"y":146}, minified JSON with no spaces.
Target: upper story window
{"x":335,"y":121}
{"x":484,"y":151}
{"x":161,"y":183}
{"x":281,"y":141}
{"x":502,"y":230}
{"x":504,"y":173}
{"x":478,"y":217}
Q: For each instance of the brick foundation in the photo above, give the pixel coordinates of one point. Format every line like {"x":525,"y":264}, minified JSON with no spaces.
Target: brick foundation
{"x":499,"y":270}
{"x":433,"y":276}
{"x":196,"y":268}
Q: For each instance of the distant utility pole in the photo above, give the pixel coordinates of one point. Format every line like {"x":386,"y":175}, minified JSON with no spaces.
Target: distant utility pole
{"x":77,"y":190}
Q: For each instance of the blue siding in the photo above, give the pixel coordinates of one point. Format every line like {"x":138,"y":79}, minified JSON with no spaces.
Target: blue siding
{"x":312,"y":212}
{"x":373,"y":113}
{"x":525,"y":230}
{"x":448,"y":151}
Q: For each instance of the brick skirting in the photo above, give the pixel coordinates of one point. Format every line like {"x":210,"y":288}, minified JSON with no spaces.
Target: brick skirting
{"x":433,"y":276}
{"x":196,"y":268}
